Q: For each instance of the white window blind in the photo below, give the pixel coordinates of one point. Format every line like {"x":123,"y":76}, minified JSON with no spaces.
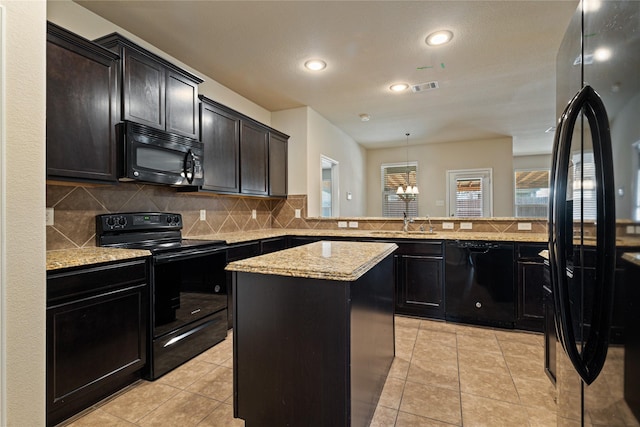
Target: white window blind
{"x":584,"y":187}
{"x":532,"y":193}
{"x":394,"y":175}
{"x":469,"y":197}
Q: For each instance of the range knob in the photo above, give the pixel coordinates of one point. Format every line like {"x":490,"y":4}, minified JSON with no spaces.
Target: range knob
{"x":111,"y":221}
{"x":122,"y":221}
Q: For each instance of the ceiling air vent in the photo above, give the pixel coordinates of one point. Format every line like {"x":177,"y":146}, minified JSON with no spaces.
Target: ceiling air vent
{"x":424,"y":86}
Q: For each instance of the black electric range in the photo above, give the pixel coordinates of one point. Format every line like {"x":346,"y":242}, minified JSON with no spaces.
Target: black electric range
{"x":188,"y":285}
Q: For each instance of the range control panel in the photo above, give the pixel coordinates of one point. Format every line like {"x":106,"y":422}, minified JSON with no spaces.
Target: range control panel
{"x":138,"y":221}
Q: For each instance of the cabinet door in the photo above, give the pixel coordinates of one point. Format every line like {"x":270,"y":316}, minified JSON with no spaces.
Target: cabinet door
{"x":220,"y":134}
{"x":92,"y":344}
{"x":421,"y":286}
{"x":82,"y":104}
{"x":254,"y":157}
{"x":143,"y":90}
{"x":182,"y":105}
{"x":530,"y":297}
{"x":277,"y":165}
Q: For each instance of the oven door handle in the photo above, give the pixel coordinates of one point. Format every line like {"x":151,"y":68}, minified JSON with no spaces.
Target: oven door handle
{"x":185,"y":254}
{"x":177,"y":339}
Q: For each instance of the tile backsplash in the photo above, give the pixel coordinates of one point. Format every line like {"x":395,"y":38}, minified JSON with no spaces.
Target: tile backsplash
{"x":75,"y":209}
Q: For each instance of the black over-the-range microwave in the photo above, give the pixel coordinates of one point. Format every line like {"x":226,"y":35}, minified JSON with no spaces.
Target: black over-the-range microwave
{"x":159,"y":157}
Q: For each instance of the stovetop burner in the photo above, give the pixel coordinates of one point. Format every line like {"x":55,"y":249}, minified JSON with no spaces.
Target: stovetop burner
{"x":154,"y":231}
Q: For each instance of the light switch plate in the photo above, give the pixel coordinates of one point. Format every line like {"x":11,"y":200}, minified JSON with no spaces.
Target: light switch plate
{"x":298,"y":213}
{"x":631,"y":229}
{"x":353,"y":224}
{"x":439,"y":202}
{"x":203,"y":215}
{"x":49,"y":216}
{"x":524,"y":226}
{"x":342,"y":224}
{"x":447,"y":226}
{"x":466,"y":226}
{"x":254,"y":214}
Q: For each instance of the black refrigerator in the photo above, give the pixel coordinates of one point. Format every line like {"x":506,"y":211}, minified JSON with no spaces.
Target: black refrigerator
{"x":594,"y":213}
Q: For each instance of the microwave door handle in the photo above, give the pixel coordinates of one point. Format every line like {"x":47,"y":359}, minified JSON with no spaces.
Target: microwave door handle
{"x":189,"y":166}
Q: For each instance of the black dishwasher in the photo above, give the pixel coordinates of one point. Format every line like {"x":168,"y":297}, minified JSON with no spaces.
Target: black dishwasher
{"x":479,"y":283}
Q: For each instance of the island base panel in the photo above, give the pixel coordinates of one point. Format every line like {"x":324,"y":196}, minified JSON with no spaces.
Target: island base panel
{"x":311,"y":352}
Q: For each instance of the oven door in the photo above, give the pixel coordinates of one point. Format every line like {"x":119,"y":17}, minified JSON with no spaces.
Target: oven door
{"x":187,"y":286}
{"x":160,"y":157}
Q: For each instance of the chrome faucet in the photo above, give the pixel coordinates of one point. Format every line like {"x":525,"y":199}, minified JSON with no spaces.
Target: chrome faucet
{"x":407,"y":220}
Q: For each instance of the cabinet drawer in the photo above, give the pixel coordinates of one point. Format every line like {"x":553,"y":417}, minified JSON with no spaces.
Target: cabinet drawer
{"x":74,"y":284}
{"x":531,"y":251}
{"x":420,"y":248}
{"x":242,"y":251}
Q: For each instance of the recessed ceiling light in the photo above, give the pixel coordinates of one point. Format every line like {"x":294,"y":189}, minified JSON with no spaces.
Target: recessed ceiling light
{"x":399,"y":87}
{"x":315,"y":65}
{"x":439,"y":37}
{"x":365,"y":117}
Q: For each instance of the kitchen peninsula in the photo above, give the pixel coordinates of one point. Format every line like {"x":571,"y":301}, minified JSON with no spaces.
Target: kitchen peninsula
{"x":313,"y":333}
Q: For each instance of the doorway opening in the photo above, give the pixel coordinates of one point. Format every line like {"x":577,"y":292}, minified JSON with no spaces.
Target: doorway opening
{"x":329,"y":188}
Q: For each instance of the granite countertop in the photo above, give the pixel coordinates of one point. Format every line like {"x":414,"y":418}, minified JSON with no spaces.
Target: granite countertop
{"x":246,"y":236}
{"x":65,"y":258}
{"x":632,"y":257}
{"x":328,"y":260}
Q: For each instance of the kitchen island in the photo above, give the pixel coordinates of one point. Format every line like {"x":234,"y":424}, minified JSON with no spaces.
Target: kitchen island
{"x":313,"y":334}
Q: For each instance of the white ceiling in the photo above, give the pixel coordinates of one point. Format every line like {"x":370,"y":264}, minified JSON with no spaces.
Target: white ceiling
{"x":496,"y":78}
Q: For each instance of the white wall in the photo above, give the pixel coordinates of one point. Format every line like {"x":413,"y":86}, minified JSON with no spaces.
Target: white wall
{"x":87,"y":24}
{"x":433,"y":162}
{"x":539,"y":161}
{"x":324,"y":138}
{"x":22,"y":204}
{"x":626,"y":158}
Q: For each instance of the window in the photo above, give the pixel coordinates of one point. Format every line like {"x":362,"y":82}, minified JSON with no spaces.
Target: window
{"x":532,"y":193}
{"x":583,"y":170}
{"x":393,"y":176}
{"x":470,"y":193}
{"x":469,"y":197}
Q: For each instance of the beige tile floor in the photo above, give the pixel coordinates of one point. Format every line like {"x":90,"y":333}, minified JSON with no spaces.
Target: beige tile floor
{"x":444,"y":374}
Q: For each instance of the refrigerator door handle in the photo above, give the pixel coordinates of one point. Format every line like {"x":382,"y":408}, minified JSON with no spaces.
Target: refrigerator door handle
{"x":588,"y":361}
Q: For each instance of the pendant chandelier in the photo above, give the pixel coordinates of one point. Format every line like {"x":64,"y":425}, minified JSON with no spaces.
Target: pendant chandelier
{"x":407,"y":192}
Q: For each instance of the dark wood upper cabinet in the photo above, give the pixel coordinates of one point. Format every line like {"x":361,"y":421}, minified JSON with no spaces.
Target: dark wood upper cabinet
{"x":241,"y":155}
{"x":143,"y":90}
{"x":278,"y":164}
{"x":254,"y":159}
{"x":82,"y":108}
{"x":220,"y":134}
{"x":155,"y":92}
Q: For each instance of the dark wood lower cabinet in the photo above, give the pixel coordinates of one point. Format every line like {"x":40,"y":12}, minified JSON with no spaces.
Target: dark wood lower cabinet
{"x":97,"y":320}
{"x":420,"y":279}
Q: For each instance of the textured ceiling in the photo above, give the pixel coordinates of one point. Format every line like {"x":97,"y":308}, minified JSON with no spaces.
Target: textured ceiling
{"x":496,"y":78}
